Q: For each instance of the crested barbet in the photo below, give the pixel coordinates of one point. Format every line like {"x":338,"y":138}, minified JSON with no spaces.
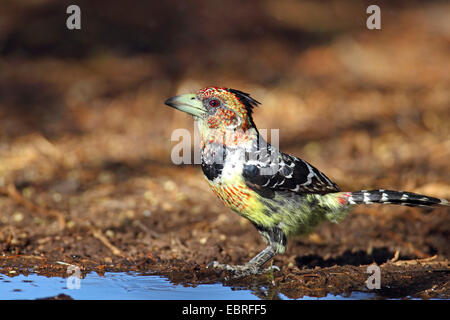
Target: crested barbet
{"x":280,"y":194}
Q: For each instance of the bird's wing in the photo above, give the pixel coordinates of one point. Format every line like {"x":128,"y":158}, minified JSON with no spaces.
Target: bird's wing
{"x":277,"y":171}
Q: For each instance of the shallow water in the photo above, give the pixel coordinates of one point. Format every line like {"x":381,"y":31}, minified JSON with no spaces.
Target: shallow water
{"x":126,"y":286}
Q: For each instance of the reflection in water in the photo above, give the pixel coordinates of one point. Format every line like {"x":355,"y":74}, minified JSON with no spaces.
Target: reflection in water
{"x":124,"y":286}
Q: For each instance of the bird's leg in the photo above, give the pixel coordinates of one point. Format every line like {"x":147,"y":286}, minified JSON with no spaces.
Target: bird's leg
{"x":251,"y":267}
{"x":276,"y":243}
{"x":261,"y":258}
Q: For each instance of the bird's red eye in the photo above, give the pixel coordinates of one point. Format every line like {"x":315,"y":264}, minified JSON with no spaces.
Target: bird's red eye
{"x":214,"y":103}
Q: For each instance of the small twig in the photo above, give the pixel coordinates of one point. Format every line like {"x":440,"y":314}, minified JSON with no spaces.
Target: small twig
{"x":396,"y":256}
{"x":99,"y":235}
{"x":15,"y":195}
{"x":310,"y":275}
{"x":8,"y":241}
{"x":144,"y":228}
{"x":429,"y":258}
{"x":418,"y":261}
{"x":21,"y":256}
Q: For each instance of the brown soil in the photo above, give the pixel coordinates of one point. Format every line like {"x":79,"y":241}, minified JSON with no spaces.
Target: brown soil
{"x":85,"y":170}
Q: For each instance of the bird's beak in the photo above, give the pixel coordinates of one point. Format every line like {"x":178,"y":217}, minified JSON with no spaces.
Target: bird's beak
{"x":188,"y":103}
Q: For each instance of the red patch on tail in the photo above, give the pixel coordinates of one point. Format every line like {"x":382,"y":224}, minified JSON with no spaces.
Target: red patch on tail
{"x":343,"y":198}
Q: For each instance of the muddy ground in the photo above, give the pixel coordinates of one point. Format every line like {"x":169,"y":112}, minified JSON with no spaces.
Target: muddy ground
{"x":86,"y":176}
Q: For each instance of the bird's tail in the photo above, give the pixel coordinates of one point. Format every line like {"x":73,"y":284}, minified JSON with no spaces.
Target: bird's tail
{"x":391,"y":197}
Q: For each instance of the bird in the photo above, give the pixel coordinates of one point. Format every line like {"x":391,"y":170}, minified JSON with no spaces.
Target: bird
{"x":280,"y":194}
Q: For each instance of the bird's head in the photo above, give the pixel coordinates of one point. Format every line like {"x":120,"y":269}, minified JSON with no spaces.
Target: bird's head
{"x":217,"y":108}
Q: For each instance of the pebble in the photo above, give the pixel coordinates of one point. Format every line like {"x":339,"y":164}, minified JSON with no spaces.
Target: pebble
{"x":18,"y":216}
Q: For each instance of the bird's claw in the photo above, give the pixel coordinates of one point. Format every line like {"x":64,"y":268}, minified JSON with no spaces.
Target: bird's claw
{"x":240,"y":271}
{"x":213,"y":264}
{"x":271,"y":269}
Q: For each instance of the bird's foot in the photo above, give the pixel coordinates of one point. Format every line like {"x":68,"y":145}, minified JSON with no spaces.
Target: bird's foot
{"x":240,"y":271}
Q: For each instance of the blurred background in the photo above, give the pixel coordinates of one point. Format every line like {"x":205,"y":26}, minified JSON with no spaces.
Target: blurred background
{"x":83,"y":127}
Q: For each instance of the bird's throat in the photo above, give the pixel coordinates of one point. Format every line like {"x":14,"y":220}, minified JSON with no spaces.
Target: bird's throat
{"x":226,"y":137}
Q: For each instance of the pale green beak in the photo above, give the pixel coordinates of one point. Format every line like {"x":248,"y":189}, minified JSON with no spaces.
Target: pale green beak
{"x":187,"y":103}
